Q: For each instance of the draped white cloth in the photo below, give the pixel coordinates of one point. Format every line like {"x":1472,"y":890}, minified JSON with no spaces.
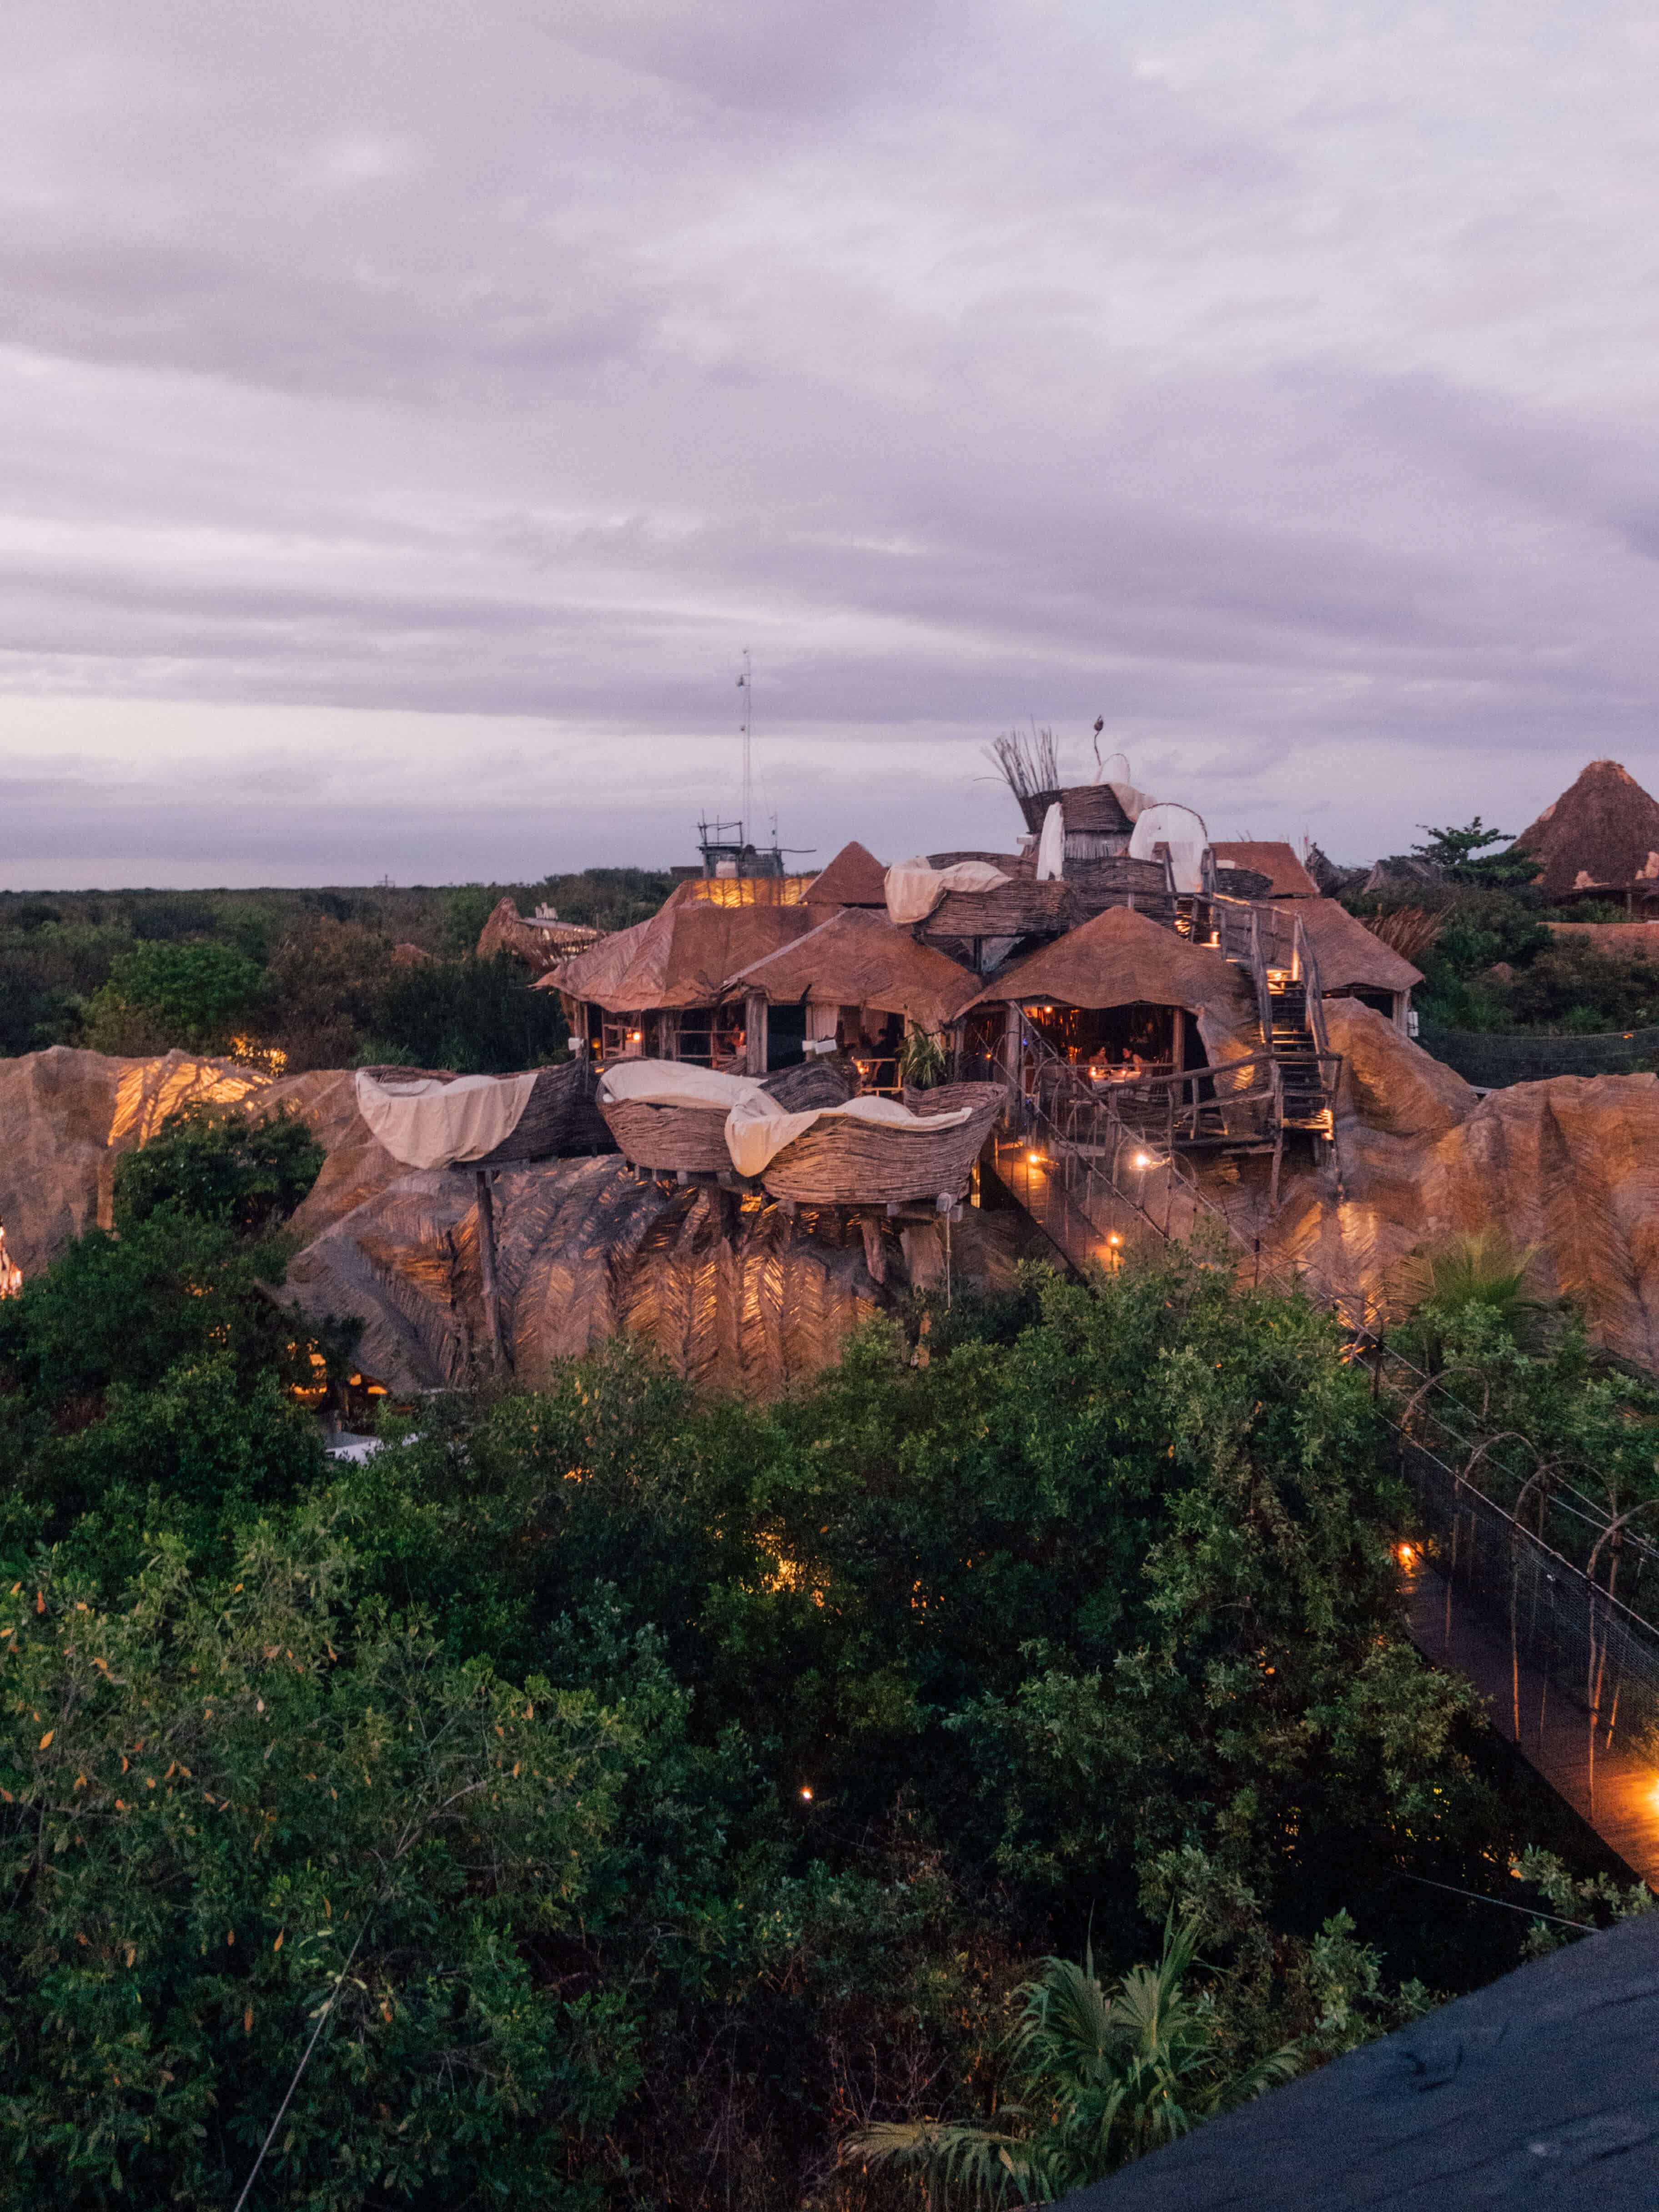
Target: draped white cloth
{"x":915,"y":887}
{"x":1051,"y":846}
{"x":428,"y":1124}
{"x":756,"y":1130}
{"x":756,"y":1127}
{"x":674,"y":1083}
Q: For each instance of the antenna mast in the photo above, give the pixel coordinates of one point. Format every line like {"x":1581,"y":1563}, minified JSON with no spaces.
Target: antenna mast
{"x":747,"y":685}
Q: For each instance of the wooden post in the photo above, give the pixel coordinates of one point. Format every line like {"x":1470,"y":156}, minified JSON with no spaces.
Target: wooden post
{"x":492,"y":1303}
{"x":755,"y":1034}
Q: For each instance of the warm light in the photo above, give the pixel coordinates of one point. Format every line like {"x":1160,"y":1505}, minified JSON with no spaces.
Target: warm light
{"x":634,"y":1036}
{"x":1033,"y":1159}
{"x":806,"y":1793}
{"x":1143,"y":1159}
{"x":1115,"y":1238}
{"x":1405,"y":1554}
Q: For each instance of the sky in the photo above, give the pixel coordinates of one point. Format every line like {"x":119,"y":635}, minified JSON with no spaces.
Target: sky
{"x":410,"y":414}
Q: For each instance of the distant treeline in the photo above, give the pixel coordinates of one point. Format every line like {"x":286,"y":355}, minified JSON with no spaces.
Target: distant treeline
{"x":323,"y":978}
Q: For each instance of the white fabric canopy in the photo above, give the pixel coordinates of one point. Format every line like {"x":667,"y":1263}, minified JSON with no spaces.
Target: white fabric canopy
{"x":1135,"y":803}
{"x":1051,"y":846}
{"x":914,"y":888}
{"x":428,"y":1124}
{"x":1180,"y":828}
{"x":758,"y":1129}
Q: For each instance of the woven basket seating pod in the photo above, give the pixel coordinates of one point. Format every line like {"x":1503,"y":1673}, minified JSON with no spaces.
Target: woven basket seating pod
{"x":842,"y":1161}
{"x":667,"y":1137}
{"x":560,"y":1115}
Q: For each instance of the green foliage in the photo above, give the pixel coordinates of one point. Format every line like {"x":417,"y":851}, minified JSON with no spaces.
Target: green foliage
{"x":607,"y":898}
{"x":828,"y":1720}
{"x":1101,"y":2076}
{"x":125,"y":1309}
{"x":1575,"y":987}
{"x":327,"y":981}
{"x":236,"y":1808}
{"x":194,"y":995}
{"x":1456,"y":851}
{"x":921,"y":1059}
{"x":222,"y":1165}
{"x":1483,"y":1271}
{"x":478,"y":1017}
{"x":1584,"y":1899}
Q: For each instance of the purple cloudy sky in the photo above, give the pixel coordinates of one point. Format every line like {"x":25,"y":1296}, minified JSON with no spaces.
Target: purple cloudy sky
{"x":409,"y":412}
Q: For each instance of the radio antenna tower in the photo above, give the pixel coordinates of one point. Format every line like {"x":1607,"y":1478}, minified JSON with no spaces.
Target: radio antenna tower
{"x":747,"y":685}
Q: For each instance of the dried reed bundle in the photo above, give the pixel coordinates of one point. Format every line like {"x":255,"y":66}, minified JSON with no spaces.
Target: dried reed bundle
{"x":1027,"y":764}
{"x":1408,"y":931}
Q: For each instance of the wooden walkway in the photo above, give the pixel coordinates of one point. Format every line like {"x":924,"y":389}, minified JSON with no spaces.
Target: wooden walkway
{"x":1554,"y":1733}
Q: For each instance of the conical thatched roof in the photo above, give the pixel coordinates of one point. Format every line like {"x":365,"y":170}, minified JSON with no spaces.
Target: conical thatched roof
{"x":857,"y":958}
{"x":1120,"y":958}
{"x":1602,"y":833}
{"x":680,"y":957}
{"x":854,"y":877}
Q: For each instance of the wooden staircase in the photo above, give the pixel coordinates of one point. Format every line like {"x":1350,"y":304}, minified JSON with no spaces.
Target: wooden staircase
{"x":1304,"y":1093}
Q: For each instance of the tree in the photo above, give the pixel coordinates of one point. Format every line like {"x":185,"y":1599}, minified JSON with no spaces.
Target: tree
{"x":1456,"y":850}
{"x":193,"y":995}
{"x":252,"y":1838}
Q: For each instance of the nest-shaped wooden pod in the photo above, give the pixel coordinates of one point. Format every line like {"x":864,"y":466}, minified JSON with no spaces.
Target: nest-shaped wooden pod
{"x":559,"y":1117}
{"x":843,"y":1161}
{"x":668,"y":1138}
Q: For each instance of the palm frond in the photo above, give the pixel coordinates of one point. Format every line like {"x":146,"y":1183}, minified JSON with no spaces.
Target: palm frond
{"x":967,"y":2166}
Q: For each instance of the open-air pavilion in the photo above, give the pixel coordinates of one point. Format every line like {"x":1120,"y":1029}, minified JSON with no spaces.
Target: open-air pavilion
{"x":657,"y":991}
{"x":854,"y":983}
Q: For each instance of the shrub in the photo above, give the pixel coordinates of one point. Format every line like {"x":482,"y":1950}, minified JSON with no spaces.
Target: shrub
{"x":191,"y":995}
{"x":220,"y":1165}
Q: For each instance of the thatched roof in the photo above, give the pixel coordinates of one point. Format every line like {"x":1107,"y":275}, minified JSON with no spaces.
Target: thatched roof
{"x":1350,"y":958}
{"x":1278,"y":862}
{"x":857,"y":958}
{"x":681,"y":957}
{"x":540,"y":944}
{"x":854,"y":877}
{"x":1602,"y":833}
{"x":1119,"y":959}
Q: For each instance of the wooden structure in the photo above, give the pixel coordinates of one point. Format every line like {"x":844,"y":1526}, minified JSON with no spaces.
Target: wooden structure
{"x":845,"y":1162}
{"x":683,"y":1140}
{"x":1537,"y":2091}
{"x":982,"y":930}
{"x":1274,"y":862}
{"x":657,"y":991}
{"x":1353,"y":963}
{"x":853,"y":983}
{"x":1122,"y":990}
{"x":854,"y":877}
{"x":540,"y":941}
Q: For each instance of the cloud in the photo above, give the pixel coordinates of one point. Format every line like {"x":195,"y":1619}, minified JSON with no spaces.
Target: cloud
{"x":1276,"y":385}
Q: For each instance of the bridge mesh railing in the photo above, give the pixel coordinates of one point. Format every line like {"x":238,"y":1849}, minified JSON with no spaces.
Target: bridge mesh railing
{"x":1586,"y":1645}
